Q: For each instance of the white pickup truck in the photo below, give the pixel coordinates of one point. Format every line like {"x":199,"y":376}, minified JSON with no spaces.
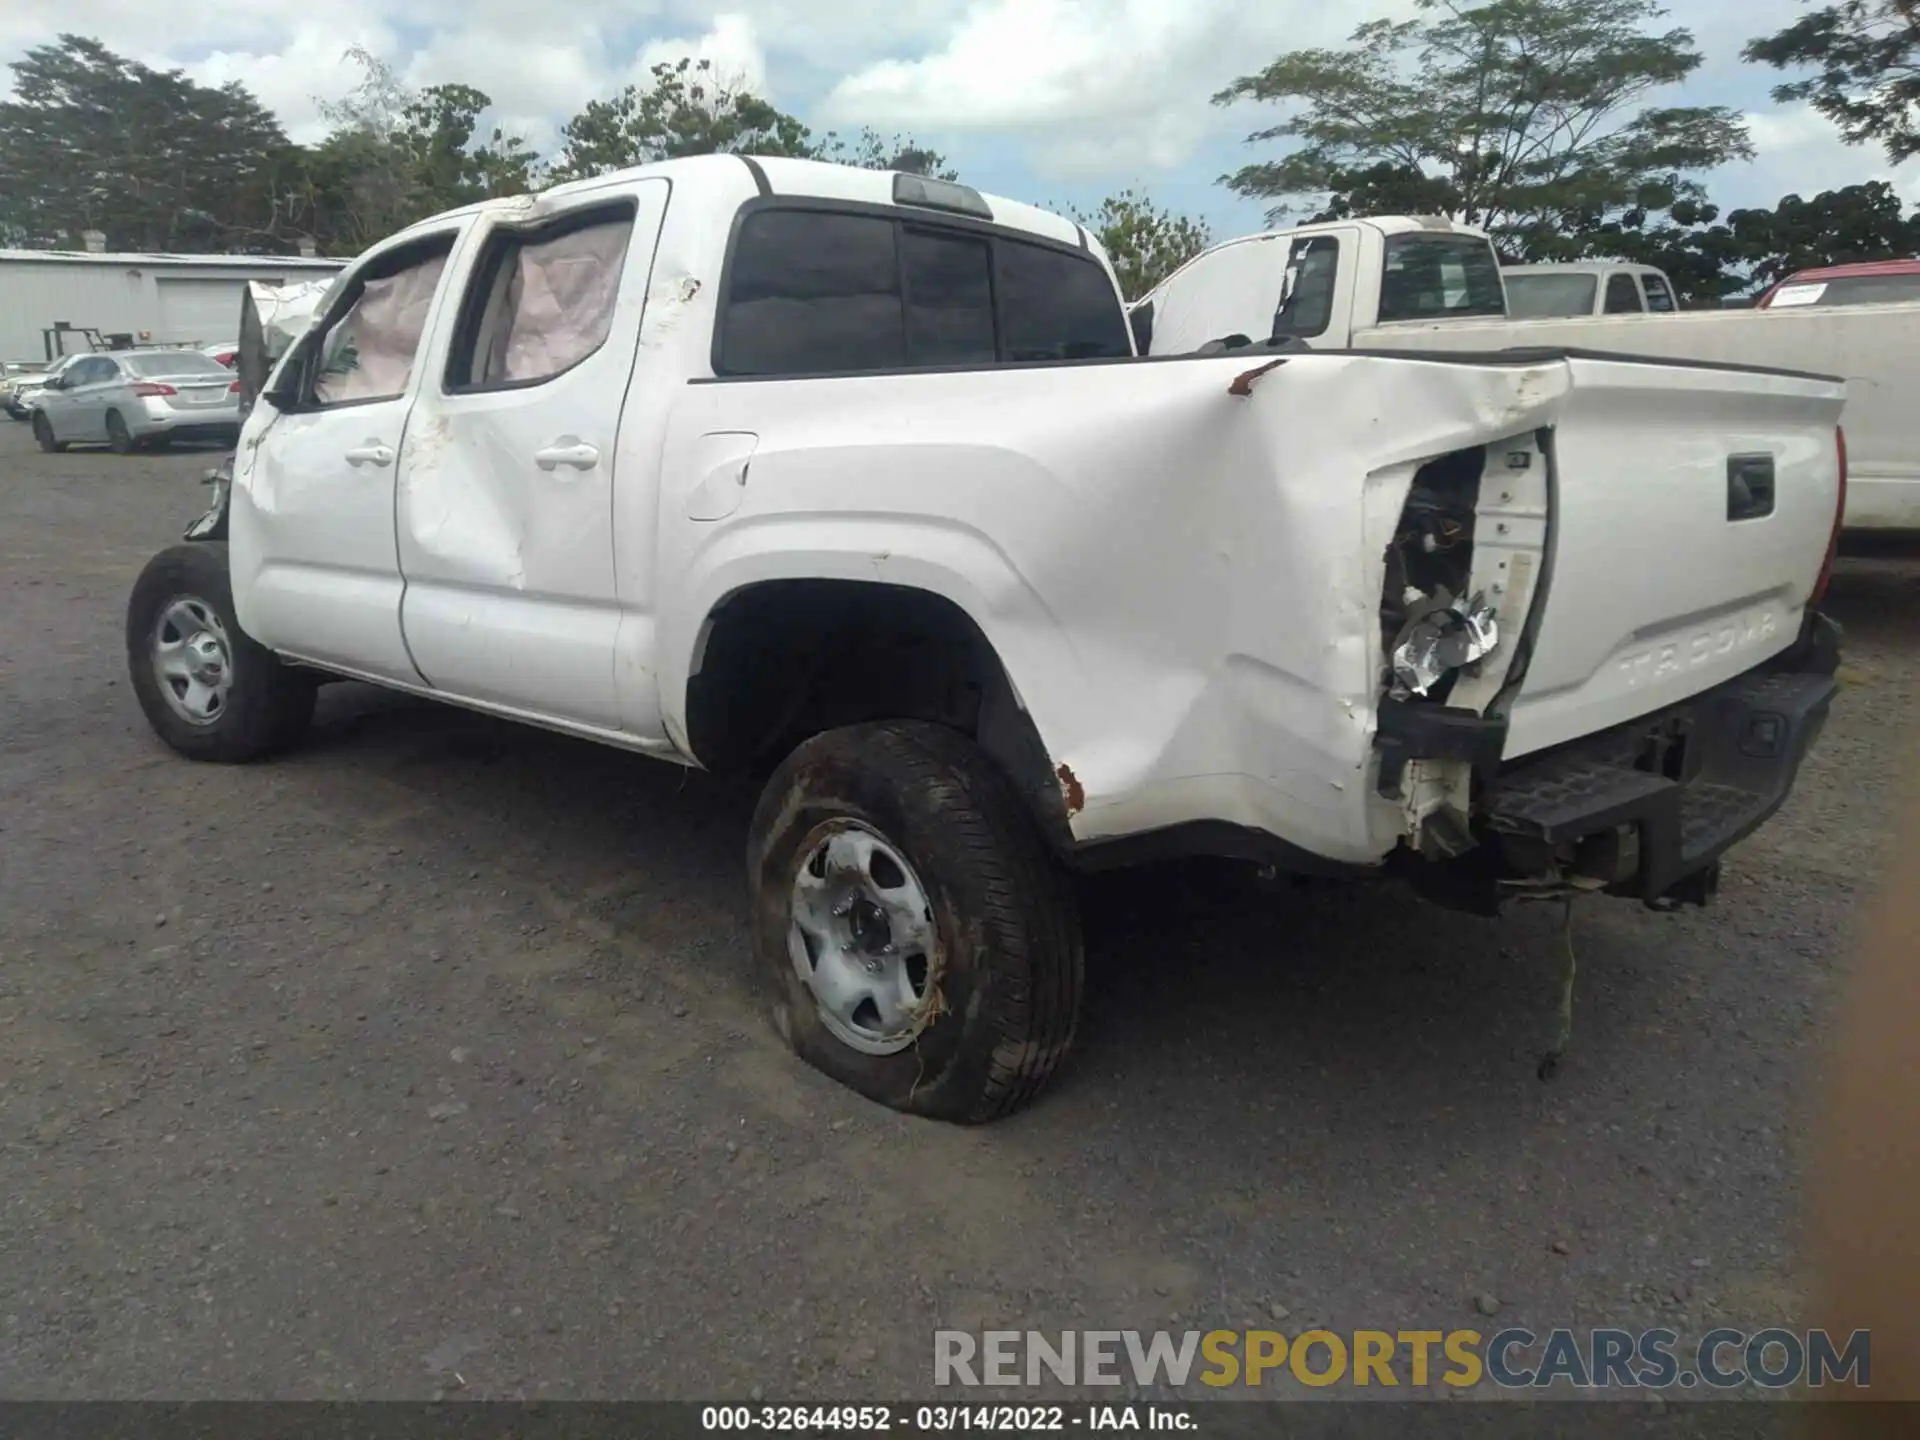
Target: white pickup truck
{"x":1574,"y":288}
{"x":1401,"y":283}
{"x":853,"y":482}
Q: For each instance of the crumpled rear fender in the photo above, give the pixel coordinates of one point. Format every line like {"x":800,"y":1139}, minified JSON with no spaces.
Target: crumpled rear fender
{"x":1179,"y":563}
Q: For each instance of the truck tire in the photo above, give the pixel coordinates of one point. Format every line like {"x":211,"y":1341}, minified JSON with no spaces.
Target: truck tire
{"x":920,"y":942}
{"x":207,"y":688}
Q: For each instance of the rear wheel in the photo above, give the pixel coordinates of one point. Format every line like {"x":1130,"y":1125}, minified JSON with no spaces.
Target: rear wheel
{"x":920,"y":942}
{"x":207,"y":688}
{"x":43,"y":432}
{"x":119,"y":438}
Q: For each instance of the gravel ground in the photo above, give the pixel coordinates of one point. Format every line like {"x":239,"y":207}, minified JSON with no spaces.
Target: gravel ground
{"x":425,"y":1061}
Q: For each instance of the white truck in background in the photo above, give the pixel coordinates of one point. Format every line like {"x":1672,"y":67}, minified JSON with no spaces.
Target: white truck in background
{"x":1566,"y":289}
{"x":1408,"y":284}
{"x":852,"y":483}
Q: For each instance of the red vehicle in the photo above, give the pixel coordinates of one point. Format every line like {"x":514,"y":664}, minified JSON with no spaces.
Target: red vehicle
{"x":1872,"y":282}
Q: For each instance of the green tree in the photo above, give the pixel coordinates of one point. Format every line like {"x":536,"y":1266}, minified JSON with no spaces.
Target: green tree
{"x":448,"y":168}
{"x":94,"y":141}
{"x":1867,"y":55}
{"x":688,"y":109}
{"x":1835,"y":227}
{"x":870,"y":151}
{"x":1502,"y":113}
{"x":1681,"y":235}
{"x":1387,"y":187}
{"x":1145,"y":242}
{"x":1712,"y":257}
{"x":396,"y":155}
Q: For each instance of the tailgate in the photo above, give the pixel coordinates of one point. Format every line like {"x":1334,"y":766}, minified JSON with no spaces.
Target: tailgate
{"x":1691,"y":513}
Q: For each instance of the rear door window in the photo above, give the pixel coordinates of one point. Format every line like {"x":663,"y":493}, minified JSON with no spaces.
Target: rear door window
{"x":1659,"y":294}
{"x":1623,"y":296}
{"x":812,"y":292}
{"x":1055,"y":306}
{"x":540,"y":304}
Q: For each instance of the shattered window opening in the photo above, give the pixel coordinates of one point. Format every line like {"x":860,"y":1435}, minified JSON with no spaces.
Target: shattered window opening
{"x":368,"y":353}
{"x":1306,"y":304}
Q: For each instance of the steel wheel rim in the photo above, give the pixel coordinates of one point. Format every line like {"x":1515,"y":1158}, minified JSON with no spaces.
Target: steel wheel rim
{"x":862,"y":938}
{"x":193,"y":660}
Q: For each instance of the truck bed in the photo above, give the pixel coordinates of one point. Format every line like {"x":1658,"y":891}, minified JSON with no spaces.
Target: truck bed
{"x":1870,"y":347}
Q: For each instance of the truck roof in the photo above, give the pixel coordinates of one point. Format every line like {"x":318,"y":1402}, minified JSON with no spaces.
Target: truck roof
{"x":809,"y":179}
{"x":1581,"y":267}
{"x":1855,"y":270}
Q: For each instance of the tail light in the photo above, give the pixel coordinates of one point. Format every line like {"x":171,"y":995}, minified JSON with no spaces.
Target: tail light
{"x":150,"y":389}
{"x":1839,"y":518}
{"x":234,"y":388}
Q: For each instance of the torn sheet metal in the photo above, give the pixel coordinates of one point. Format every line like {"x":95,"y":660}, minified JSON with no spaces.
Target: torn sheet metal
{"x":1441,"y":639}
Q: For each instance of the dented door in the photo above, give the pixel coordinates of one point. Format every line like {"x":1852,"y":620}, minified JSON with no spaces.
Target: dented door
{"x":506,"y":482}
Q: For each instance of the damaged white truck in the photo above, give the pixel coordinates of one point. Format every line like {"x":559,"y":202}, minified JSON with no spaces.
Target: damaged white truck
{"x":853,"y":481}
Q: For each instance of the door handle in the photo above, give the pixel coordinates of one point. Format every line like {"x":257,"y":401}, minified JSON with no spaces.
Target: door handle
{"x":576,"y":454}
{"x":371,"y":453}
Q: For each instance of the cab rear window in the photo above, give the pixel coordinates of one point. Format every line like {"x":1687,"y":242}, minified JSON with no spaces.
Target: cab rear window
{"x":818,"y":291}
{"x":1847,"y":290}
{"x":1439,"y":277}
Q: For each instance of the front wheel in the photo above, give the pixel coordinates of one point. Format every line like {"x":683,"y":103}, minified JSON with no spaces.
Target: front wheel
{"x":43,"y":432}
{"x":207,"y":688}
{"x":920,"y":941}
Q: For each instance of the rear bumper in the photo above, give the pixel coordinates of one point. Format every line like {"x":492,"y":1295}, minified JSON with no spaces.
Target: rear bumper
{"x":1651,"y":806}
{"x":184,"y":424}
{"x":1882,"y":505}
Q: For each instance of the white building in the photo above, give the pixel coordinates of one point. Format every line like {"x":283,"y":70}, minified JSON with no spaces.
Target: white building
{"x":152,"y":299}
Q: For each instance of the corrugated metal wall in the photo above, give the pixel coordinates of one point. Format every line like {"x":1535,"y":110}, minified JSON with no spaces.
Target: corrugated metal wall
{"x":111,"y":297}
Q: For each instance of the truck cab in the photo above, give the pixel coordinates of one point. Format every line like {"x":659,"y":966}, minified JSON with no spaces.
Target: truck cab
{"x":1587,"y":287}
{"x":1321,"y":286}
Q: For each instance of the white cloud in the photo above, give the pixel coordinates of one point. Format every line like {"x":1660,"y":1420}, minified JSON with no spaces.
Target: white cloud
{"x":1798,"y":151}
{"x":309,"y":65}
{"x":1090,"y":94}
{"x":730,"y":43}
{"x":1100,"y":85}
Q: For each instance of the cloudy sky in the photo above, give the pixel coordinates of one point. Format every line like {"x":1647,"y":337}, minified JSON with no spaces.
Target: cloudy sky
{"x":1054,"y":101}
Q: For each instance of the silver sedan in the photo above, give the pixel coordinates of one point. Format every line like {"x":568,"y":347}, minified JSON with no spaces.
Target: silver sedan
{"x":138,"y":398}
